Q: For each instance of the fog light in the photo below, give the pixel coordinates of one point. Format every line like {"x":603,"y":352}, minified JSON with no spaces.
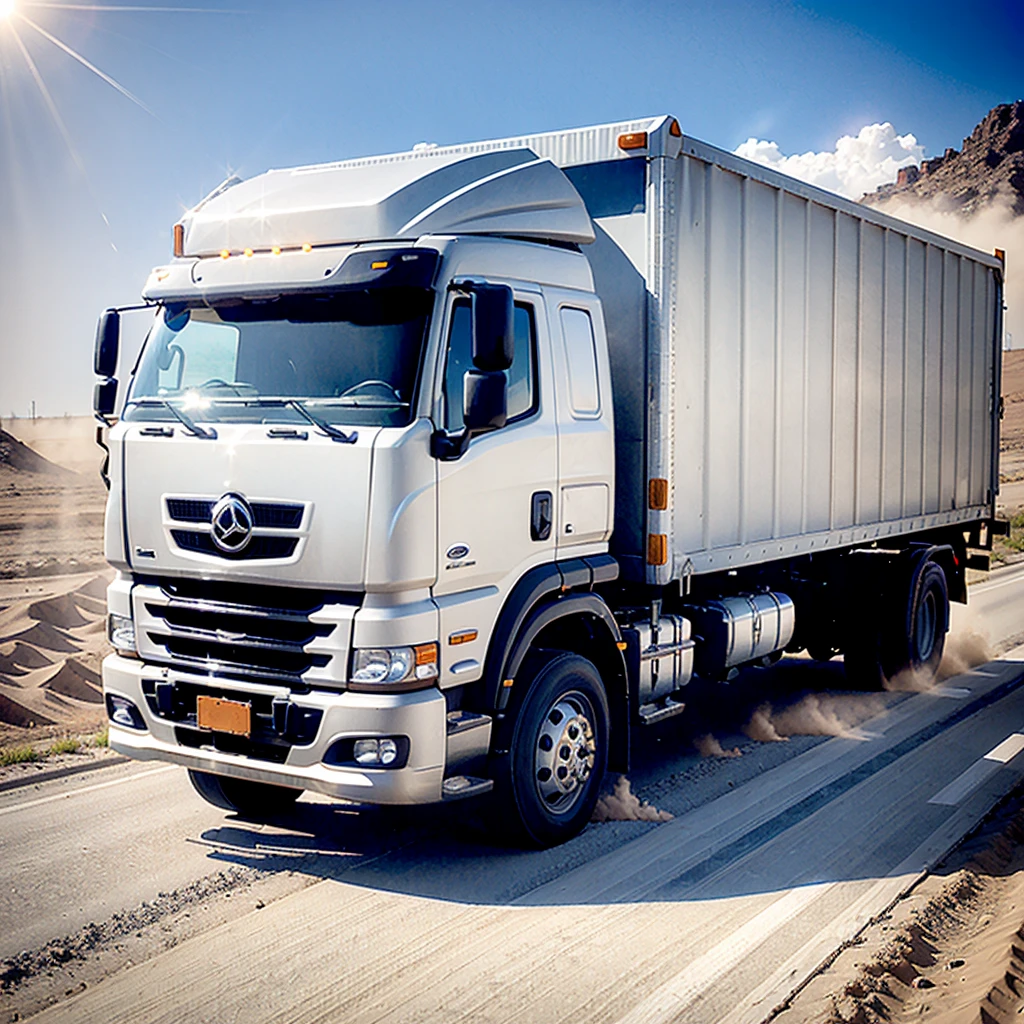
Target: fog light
{"x":121,"y":633}
{"x":121,"y":711}
{"x":366,"y":751}
{"x":385,"y":752}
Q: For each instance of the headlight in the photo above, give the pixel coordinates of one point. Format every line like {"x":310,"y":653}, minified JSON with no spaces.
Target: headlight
{"x":394,"y":668}
{"x":121,"y":634}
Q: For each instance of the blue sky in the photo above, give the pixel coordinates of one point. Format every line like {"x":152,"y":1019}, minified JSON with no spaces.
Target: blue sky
{"x":314,"y":80}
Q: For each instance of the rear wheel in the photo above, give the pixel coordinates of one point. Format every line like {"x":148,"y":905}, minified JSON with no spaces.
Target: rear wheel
{"x":548,"y":783}
{"x":907,"y":638}
{"x":918,"y":640}
{"x":252,"y":799}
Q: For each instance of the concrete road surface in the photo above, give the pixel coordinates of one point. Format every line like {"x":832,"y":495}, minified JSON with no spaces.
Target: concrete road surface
{"x":774,"y":858}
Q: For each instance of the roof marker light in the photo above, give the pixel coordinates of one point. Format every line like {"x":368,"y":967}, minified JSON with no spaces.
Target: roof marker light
{"x":306,"y":247}
{"x":224,"y":254}
{"x":674,"y":130}
{"x":276,"y":250}
{"x":179,"y":239}
{"x":248,"y":252}
{"x":633,"y":140}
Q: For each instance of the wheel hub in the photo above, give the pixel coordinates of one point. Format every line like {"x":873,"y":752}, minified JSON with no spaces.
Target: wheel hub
{"x":565,"y":752}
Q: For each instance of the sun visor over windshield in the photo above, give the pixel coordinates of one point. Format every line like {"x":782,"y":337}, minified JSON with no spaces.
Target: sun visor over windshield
{"x":263,"y":274}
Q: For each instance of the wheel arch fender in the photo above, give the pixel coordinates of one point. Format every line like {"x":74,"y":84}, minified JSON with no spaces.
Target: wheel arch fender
{"x":582,"y":624}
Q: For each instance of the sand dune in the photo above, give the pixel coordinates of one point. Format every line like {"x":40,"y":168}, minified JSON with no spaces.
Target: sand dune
{"x":28,"y":657}
{"x":17,"y":714}
{"x":77,"y":681}
{"x":58,"y":611}
{"x":42,"y":634}
{"x":52,"y":640}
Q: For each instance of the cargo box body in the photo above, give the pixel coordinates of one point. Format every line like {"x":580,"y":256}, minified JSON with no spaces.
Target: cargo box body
{"x":804,"y":372}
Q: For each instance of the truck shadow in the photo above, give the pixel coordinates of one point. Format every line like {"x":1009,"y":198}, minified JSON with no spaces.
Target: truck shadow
{"x":445,"y":852}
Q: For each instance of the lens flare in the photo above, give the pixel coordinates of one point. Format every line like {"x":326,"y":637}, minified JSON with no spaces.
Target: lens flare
{"x":6,"y":9}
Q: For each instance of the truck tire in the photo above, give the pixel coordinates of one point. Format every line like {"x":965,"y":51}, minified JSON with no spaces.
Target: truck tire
{"x":547,"y":784}
{"x":908,"y":639}
{"x":252,"y":799}
{"x":919,"y":636}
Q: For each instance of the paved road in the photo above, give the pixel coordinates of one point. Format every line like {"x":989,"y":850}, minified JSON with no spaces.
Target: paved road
{"x":773,"y":859}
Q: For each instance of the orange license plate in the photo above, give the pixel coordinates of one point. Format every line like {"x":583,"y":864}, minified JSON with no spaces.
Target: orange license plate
{"x":220,"y":715}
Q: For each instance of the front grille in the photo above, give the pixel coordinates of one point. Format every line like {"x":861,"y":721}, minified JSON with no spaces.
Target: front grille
{"x":269,"y":519}
{"x":258,"y":547}
{"x":245,"y":631}
{"x":265,"y":514}
{"x":189,"y":510}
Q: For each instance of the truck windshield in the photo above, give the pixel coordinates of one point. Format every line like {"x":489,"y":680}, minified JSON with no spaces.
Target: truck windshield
{"x":352,"y":356}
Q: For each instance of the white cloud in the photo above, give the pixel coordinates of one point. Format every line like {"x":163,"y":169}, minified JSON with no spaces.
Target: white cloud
{"x":857,"y":165}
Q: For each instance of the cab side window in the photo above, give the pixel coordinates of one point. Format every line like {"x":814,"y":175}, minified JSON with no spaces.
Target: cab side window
{"x":521,"y":377}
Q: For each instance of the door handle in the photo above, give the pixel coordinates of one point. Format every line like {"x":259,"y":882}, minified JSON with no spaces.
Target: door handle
{"x":540,"y":515}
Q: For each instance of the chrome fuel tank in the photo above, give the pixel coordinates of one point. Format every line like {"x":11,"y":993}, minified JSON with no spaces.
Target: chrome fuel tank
{"x":737,"y":630}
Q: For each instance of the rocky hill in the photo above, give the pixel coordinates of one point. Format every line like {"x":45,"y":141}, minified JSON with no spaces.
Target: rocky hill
{"x":990,"y":166}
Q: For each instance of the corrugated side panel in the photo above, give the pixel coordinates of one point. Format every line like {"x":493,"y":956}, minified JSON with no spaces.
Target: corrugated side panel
{"x":832,"y":376}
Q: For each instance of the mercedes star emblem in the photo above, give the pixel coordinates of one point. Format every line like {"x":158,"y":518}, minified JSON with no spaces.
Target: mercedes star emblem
{"x":231,"y":522}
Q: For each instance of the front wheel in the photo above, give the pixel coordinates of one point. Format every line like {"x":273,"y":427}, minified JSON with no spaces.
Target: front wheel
{"x":257,"y":800}
{"x":548,"y":783}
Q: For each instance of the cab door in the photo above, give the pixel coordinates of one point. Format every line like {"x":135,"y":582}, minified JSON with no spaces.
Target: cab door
{"x":496,"y":503}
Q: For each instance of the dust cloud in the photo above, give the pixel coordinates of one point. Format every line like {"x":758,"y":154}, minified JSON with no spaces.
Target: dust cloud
{"x":708,"y":746}
{"x":994,"y":227}
{"x":813,"y":715}
{"x":621,"y":804}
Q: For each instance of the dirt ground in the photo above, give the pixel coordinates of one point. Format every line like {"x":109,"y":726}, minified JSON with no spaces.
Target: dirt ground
{"x":950,"y":952}
{"x":53,"y":580}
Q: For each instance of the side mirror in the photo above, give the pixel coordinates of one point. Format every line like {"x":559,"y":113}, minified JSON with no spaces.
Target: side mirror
{"x":493,"y":326}
{"x":104,"y":397}
{"x":484,"y":401}
{"x":108,"y":341}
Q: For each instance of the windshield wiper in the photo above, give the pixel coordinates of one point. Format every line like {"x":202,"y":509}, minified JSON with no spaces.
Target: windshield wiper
{"x":321,"y":424}
{"x":206,"y":433}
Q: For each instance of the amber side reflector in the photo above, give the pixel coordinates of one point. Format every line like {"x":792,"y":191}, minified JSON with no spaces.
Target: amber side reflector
{"x":657,"y":494}
{"x":1001,"y":255}
{"x":426,"y":654}
{"x":179,"y":239}
{"x":674,"y":130}
{"x":633,"y":140}
{"x":657,"y":548}
{"x":379,"y":265}
{"x":466,"y":636}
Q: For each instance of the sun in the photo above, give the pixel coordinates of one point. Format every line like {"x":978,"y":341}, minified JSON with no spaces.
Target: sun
{"x":6,"y":9}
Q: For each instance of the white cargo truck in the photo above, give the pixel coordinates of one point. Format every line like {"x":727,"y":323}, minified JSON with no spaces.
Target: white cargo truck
{"x":439,"y":472}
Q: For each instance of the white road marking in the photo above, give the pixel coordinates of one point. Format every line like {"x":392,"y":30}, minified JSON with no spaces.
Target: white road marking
{"x":1007,"y":750}
{"x":982,"y":769}
{"x":84,"y":789}
{"x":668,"y":1001}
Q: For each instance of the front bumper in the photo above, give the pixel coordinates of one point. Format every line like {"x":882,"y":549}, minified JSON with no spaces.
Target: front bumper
{"x":420,"y":716}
